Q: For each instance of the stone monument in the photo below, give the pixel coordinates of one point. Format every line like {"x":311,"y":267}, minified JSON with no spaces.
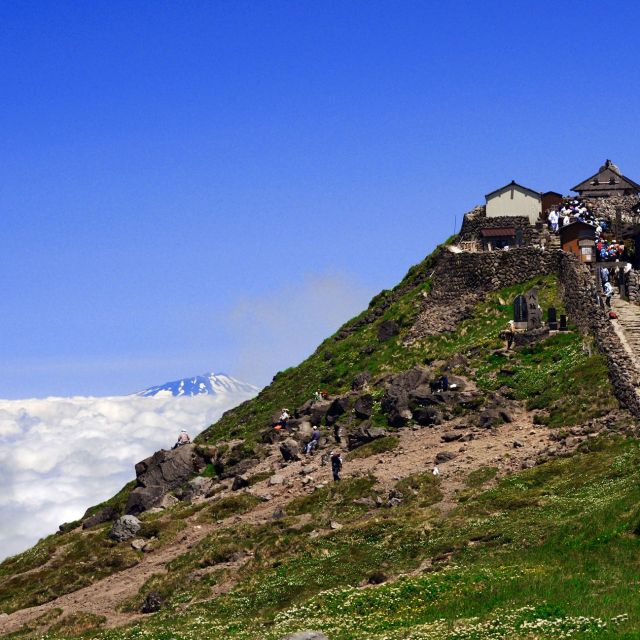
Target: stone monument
{"x":520,"y":314}
{"x":534,"y":312}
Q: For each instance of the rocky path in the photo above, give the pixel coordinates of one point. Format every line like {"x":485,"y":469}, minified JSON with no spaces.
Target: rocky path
{"x":508,"y":447}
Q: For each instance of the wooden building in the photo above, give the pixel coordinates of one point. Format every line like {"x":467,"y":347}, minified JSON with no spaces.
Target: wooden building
{"x":550,"y":199}
{"x":500,"y":237}
{"x":514,"y":200}
{"x":579,"y":238}
{"x":607,"y":182}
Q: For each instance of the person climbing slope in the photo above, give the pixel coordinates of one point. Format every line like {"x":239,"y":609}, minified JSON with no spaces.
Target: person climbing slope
{"x":336,"y":465}
{"x":313,"y":443}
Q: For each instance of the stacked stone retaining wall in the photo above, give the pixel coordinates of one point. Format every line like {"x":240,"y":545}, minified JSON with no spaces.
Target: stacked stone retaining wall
{"x":461,"y":280}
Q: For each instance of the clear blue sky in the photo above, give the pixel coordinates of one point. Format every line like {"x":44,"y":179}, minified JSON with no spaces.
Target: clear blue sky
{"x":177,"y":177}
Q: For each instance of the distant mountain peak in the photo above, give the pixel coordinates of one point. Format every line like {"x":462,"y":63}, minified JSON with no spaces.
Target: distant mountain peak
{"x":213,"y":384}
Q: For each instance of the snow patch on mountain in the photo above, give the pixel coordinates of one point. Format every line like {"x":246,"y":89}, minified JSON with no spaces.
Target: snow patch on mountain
{"x":214,"y":384}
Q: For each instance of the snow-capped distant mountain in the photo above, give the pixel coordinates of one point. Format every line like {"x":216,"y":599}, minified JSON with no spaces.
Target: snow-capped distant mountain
{"x":214,"y":384}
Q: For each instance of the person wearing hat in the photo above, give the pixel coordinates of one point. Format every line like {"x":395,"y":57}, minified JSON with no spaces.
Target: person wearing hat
{"x":183,"y":438}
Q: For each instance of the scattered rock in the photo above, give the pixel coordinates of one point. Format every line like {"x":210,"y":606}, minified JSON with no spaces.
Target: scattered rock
{"x":363,"y":407}
{"x":240,"y":482}
{"x":517,"y":444}
{"x":278,"y":514}
{"x":138,"y":544}
{"x":444,"y":456}
{"x":161,"y":473}
{"x":336,"y":526}
{"x":367,"y":502}
{"x":276,"y":479}
{"x":360,"y":381}
{"x":388,"y":329}
{"x":125,"y":528}
{"x":152,"y":603}
{"x":106,"y":514}
{"x":450,"y":436}
{"x":168,"y":500}
{"x":290,"y":450}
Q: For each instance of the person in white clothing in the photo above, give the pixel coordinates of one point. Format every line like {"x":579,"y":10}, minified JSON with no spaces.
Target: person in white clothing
{"x":553,"y":220}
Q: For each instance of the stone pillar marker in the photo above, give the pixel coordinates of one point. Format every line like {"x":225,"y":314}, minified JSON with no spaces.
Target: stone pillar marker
{"x":534,"y":313}
{"x":563,"y":323}
{"x":552,"y":319}
{"x":520,"y":313}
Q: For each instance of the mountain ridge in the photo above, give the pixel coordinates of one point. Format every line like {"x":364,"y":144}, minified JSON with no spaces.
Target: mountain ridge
{"x":534,"y":479}
{"x":203,"y":384}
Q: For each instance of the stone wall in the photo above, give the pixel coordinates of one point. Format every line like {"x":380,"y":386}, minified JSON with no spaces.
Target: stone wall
{"x":633,"y":286}
{"x":580,"y":298}
{"x":606,"y":207}
{"x":461,"y":280}
{"x":473,"y":224}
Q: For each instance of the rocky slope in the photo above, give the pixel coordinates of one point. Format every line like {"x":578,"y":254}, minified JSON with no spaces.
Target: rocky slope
{"x":245,"y":536}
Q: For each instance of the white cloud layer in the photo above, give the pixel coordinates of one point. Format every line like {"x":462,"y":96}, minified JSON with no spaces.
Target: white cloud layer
{"x":59,"y":456}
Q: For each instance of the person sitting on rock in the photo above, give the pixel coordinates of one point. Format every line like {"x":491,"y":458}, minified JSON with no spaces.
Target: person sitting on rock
{"x":283,"y":419}
{"x":183,"y":438}
{"x":313,"y":443}
{"x":336,"y":465}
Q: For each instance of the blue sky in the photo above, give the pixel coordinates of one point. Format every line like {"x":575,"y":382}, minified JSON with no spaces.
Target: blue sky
{"x":187,"y":186}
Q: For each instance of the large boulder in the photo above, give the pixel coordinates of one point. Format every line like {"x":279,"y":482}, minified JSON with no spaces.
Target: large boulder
{"x":106,"y":514}
{"x":363,"y":407}
{"x":290,"y":450}
{"x":318,"y":411}
{"x":387,"y":330}
{"x":125,"y":528}
{"x":164,"y":471}
{"x":338,"y":407}
{"x":364,"y":434}
{"x":360,"y":381}
{"x":427,"y":416}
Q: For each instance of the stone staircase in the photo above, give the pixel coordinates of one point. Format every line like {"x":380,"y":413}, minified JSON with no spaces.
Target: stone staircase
{"x":554,"y":242}
{"x":628,"y":325}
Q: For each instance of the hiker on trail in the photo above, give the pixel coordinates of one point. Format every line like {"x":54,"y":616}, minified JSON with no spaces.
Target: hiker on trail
{"x":317,"y":396}
{"x":604,"y":275}
{"x":336,"y":432}
{"x":608,"y":292}
{"x":313,"y":443}
{"x":183,"y":438}
{"x":510,"y":333}
{"x":553,"y":220}
{"x":336,"y":465}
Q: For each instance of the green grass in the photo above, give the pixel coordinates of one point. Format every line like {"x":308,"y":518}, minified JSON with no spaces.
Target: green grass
{"x":552,"y":548}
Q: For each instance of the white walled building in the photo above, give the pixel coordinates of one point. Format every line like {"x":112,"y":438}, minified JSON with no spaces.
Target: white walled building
{"x":514,"y":200}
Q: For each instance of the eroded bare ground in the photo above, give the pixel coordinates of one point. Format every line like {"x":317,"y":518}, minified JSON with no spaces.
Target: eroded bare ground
{"x":509,"y":447}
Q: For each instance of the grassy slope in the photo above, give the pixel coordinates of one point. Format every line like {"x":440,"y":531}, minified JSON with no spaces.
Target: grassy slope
{"x":289,"y":567}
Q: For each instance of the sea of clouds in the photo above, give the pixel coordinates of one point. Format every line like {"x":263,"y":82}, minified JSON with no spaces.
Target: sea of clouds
{"x":59,"y":456}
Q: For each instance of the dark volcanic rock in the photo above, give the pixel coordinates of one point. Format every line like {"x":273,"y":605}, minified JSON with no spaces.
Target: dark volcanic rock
{"x":444,"y":456}
{"x":387,"y":330}
{"x":427,"y":416}
{"x":360,"y":381}
{"x":364,"y":434}
{"x":106,"y":514}
{"x":363,"y":407}
{"x":152,"y":603}
{"x":164,"y":471}
{"x":338,"y":407}
{"x":240,"y":482}
{"x":290,"y":450}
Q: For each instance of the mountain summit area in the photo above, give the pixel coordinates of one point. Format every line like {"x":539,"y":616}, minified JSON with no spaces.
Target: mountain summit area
{"x":485,"y":410}
{"x":205,"y":384}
